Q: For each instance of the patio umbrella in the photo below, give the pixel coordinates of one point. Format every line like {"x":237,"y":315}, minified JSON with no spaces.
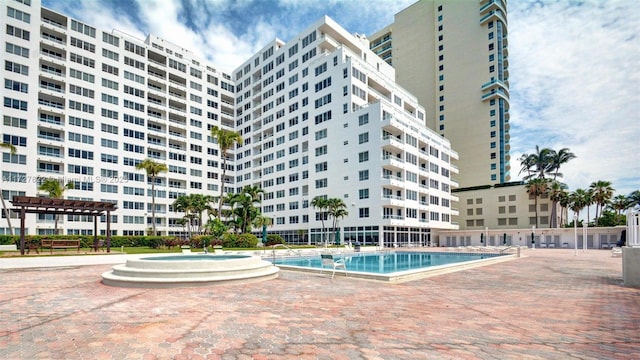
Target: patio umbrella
{"x":264,"y":234}
{"x":533,"y":238}
{"x":481,"y":238}
{"x":338,"y":236}
{"x":504,"y":239}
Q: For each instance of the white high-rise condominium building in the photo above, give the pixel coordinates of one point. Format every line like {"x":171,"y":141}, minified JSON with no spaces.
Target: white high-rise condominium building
{"x":319,"y":115}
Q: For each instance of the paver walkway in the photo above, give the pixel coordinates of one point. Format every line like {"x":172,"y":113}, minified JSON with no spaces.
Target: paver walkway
{"x":548,"y":305}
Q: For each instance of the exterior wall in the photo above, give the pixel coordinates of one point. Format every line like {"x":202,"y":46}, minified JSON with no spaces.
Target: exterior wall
{"x":504,"y":207}
{"x":597,"y":238}
{"x":373,"y":150}
{"x":97,"y":103}
{"x":453,"y":55}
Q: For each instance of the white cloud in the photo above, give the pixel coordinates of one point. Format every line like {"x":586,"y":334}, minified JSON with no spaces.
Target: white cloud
{"x":574,"y":73}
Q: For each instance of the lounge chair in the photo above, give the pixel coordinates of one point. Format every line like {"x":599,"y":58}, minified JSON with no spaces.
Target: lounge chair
{"x":186,"y":249}
{"x":328,"y":260}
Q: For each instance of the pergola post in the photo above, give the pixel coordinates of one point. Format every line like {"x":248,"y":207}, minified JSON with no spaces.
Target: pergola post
{"x":22,"y":231}
{"x":108,"y":231}
{"x":95,"y":232}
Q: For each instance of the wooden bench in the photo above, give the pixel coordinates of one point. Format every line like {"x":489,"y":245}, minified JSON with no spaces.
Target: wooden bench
{"x":59,"y":244}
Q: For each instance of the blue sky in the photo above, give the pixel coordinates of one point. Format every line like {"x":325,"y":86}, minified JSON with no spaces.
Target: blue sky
{"x":574,"y":65}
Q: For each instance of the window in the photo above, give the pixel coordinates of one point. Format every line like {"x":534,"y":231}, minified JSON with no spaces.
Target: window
{"x":363,"y":212}
{"x":363,"y":193}
{"x":363,"y":138}
{"x":363,"y":156}
{"x":363,"y":175}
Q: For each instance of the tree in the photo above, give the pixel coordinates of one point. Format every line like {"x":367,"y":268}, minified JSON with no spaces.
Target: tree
{"x":183,"y":204}
{"x":12,"y":151}
{"x":153,"y":169}
{"x":322,"y":204}
{"x":564,"y":205}
{"x":602,"y":193}
{"x":620,"y":203}
{"x":560,"y":158}
{"x":539,"y":163}
{"x":243,"y":208}
{"x":337,"y":209}
{"x":578,"y":200}
{"x":634,"y":198}
{"x":199,"y":204}
{"x":226,"y":139}
{"x":556,"y":193}
{"x":537,"y":187}
{"x":55,"y":190}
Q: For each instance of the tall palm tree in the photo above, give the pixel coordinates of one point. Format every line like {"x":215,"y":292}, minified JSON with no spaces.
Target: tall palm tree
{"x":559,"y":158}
{"x":12,"y":151}
{"x":337,"y":209}
{"x":322,"y":204}
{"x":588,"y":198}
{"x":564,"y":205}
{"x":226,"y":140}
{"x":55,"y":190}
{"x":556,"y":193}
{"x":634,"y":198}
{"x":619,"y":203}
{"x":153,"y":169}
{"x":541,"y":161}
{"x":537,"y":187}
{"x":602,"y":193}
{"x":578,"y":200}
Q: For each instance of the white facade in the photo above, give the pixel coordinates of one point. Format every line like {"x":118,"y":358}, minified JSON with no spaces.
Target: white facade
{"x":85,"y":105}
{"x":96,"y":103}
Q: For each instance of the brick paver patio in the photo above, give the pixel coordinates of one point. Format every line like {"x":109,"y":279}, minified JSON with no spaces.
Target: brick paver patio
{"x":547,"y":305}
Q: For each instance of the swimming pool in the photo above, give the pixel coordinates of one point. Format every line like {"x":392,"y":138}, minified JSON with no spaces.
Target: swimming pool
{"x":396,"y":266}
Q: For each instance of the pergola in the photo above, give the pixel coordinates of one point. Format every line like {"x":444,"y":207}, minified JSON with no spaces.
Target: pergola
{"x":41,"y":205}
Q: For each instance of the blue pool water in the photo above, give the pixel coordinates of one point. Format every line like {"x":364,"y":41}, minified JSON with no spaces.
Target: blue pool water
{"x":387,"y":263}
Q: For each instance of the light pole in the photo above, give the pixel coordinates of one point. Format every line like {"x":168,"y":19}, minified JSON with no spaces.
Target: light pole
{"x":575,"y":234}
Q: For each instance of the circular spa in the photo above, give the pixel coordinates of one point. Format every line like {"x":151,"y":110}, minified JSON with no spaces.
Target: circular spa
{"x":189,"y":270}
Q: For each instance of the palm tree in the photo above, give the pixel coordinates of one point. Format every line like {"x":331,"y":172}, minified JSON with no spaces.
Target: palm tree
{"x":564,"y":205}
{"x":12,"y":151}
{"x":322,"y":205}
{"x":183,"y":204}
{"x":537,"y":187}
{"x":578,"y":200}
{"x":199,"y":204}
{"x":602,"y":193}
{"x":55,"y":190}
{"x":588,"y":198}
{"x":541,"y":160}
{"x":619,"y":203}
{"x":153,"y":169}
{"x":556,"y":193}
{"x":226,"y":139}
{"x":337,"y":209}
{"x":634,"y":198}
{"x":560,"y":158}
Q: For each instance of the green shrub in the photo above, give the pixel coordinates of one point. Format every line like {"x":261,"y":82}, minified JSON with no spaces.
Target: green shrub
{"x":230,"y":240}
{"x":274,"y":239}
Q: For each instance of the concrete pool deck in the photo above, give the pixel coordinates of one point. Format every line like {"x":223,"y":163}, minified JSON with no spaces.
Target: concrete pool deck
{"x":547,"y":305}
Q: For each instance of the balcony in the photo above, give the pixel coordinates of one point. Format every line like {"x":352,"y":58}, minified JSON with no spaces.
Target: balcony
{"x":392,"y":161}
{"x":495,"y":93}
{"x":493,"y":5}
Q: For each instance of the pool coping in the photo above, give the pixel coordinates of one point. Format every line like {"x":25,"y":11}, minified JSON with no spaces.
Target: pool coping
{"x":407,"y":275}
